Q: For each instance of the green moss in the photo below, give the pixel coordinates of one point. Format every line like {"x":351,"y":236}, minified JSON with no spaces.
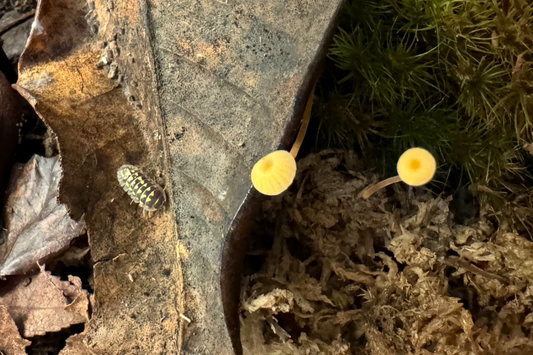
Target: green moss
{"x":451,"y":76}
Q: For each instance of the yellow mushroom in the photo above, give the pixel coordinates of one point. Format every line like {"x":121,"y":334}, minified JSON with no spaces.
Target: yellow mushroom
{"x":274,"y":173}
{"x":416,"y":167}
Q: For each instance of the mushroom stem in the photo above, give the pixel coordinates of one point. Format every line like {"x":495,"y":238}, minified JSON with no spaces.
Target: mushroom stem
{"x":305,"y":123}
{"x":369,"y":191}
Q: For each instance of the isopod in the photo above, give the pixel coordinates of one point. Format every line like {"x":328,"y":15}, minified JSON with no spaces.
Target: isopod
{"x":142,"y":190}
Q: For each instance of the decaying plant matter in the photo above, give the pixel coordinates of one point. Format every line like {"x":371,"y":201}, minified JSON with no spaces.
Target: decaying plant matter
{"x":387,"y":275}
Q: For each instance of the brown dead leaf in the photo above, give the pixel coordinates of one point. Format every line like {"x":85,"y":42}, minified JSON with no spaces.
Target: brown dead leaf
{"x":39,"y":227}
{"x":11,"y":343}
{"x":43,"y":303}
{"x":75,"y":346}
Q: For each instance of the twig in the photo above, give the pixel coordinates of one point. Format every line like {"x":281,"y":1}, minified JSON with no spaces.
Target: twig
{"x":456,"y":262}
{"x":184,"y":317}
{"x":16,"y":22}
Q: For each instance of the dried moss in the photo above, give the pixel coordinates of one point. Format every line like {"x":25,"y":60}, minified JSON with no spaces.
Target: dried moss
{"x":388,"y":275}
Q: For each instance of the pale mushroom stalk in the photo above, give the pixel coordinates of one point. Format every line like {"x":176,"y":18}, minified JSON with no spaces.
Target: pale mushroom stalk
{"x":416,"y":167}
{"x":369,"y":191}
{"x":303,"y":127}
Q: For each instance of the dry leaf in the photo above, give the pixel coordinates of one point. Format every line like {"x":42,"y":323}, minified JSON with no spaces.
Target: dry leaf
{"x":75,"y":345}
{"x":43,"y":303}
{"x":11,"y":343}
{"x":39,"y":227}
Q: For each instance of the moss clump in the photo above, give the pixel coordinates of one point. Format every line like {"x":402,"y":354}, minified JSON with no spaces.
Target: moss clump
{"x":453,"y":77}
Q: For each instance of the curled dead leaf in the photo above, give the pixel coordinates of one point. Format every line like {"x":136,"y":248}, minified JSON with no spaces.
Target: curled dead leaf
{"x":38,"y":226}
{"x":43,"y":303}
{"x":75,"y":345}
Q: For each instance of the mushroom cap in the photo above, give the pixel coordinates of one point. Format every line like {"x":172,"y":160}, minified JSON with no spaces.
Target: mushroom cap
{"x":416,"y":166}
{"x":274,"y":173}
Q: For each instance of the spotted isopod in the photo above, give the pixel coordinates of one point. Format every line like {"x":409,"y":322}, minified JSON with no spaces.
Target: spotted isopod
{"x":142,"y":190}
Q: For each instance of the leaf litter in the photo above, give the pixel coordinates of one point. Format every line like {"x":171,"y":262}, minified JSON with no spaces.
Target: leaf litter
{"x":44,"y":303}
{"x":38,"y":227}
{"x":389,"y":275}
